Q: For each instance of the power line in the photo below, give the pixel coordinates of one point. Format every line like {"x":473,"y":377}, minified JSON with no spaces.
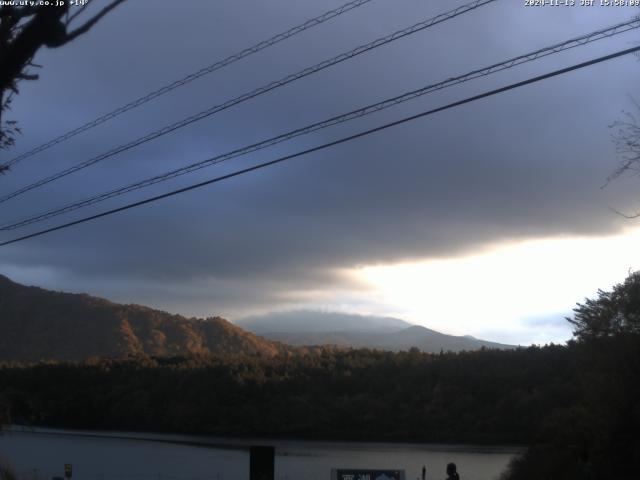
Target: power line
{"x":189,"y":78}
{"x":329,"y":144}
{"x":254,"y":93}
{"x":543,"y":52}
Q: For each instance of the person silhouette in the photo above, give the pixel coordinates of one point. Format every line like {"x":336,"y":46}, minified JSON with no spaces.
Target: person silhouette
{"x":424,"y":472}
{"x":452,"y":472}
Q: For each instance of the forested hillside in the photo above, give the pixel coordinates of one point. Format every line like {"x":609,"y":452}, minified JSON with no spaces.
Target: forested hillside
{"x":40,"y":324}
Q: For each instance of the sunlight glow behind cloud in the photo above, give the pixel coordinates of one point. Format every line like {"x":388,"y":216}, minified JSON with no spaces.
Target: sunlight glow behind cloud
{"x":510,"y":288}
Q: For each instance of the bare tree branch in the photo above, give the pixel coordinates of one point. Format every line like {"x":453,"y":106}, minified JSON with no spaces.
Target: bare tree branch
{"x":625,"y":215}
{"x":44,"y":28}
{"x":80,"y":11}
{"x":23,"y":31}
{"x":90,"y":23}
{"x":19,"y":13}
{"x":626,"y":137}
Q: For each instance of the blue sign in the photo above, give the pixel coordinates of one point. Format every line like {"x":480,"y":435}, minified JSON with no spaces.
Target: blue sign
{"x":361,"y":474}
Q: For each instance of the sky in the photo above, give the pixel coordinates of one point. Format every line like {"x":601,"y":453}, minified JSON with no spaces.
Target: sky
{"x":489,"y":219}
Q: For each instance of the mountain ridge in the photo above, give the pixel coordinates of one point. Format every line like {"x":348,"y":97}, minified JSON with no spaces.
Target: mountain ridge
{"x":39,"y":324}
{"x":395,"y":336}
{"x":319,"y":321}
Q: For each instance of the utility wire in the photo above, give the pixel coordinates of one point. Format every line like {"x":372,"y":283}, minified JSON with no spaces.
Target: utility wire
{"x":582,"y":40}
{"x":189,"y":78}
{"x":254,"y":93}
{"x":329,"y":144}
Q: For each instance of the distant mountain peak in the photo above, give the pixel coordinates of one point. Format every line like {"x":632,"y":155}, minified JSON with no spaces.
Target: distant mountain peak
{"x":420,"y":329}
{"x":319,"y":321}
{"x":304,"y":328}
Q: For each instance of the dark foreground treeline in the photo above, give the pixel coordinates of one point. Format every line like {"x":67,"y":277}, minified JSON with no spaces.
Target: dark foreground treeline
{"x":482,"y":397}
{"x":578,"y":404}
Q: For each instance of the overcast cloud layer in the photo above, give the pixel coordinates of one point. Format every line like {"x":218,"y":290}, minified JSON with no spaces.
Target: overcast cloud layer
{"x":525,"y":164}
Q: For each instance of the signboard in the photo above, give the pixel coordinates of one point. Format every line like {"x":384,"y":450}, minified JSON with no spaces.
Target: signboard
{"x":365,"y":474}
{"x":68,"y":470}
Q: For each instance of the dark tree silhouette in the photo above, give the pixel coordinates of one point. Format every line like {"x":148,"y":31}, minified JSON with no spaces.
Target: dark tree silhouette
{"x":626,"y":136}
{"x":611,"y":313}
{"x":23,"y":31}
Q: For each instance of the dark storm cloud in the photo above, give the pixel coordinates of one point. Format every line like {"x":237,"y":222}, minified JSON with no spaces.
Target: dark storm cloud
{"x":525,"y":164}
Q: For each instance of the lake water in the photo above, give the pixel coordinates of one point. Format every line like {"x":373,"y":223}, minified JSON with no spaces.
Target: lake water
{"x":42,"y":453}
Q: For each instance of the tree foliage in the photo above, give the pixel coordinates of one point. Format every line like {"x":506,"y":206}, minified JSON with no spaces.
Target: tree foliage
{"x":475,"y":397}
{"x":611,"y":313}
{"x":598,"y":435}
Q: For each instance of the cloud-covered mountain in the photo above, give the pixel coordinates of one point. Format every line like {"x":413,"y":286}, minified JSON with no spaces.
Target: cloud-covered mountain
{"x":310,"y":321}
{"x":329,"y":328}
{"x":40,"y":324}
